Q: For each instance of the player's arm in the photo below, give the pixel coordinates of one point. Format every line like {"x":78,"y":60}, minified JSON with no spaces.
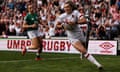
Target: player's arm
{"x":58,"y":25}
{"x":58,"y":22}
{"x":81,"y":20}
{"x":25,"y":25}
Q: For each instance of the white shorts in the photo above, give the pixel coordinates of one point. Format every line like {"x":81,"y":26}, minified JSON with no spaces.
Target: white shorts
{"x":34,"y":34}
{"x":75,"y":40}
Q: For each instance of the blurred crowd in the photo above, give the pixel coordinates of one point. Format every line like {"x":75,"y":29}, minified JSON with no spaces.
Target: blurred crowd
{"x":103,"y":17}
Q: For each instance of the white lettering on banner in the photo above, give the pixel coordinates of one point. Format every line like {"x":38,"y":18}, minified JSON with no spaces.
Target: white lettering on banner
{"x":16,"y":44}
{"x":56,"y":45}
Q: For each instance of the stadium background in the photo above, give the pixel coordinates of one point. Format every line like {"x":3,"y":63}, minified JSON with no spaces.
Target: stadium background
{"x":13,"y":11}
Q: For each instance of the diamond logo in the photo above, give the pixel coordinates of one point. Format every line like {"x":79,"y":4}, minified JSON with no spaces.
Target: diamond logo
{"x":106,"y":45}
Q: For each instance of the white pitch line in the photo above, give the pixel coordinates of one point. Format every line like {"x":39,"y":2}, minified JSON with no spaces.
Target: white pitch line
{"x":60,"y":58}
{"x":12,"y":61}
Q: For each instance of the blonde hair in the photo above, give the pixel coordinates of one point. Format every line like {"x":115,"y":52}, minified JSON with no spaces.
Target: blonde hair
{"x":72,"y":5}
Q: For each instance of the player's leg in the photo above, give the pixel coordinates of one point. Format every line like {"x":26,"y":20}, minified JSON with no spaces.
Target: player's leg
{"x":79,"y":46}
{"x":38,"y":57}
{"x":81,"y":55}
{"x":34,"y":40}
{"x":34,"y":45}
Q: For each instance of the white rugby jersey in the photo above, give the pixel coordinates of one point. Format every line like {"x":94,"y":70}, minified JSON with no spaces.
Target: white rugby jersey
{"x":73,"y":31}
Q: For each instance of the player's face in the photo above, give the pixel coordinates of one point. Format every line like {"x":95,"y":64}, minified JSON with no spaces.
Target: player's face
{"x":30,"y":8}
{"x":67,"y":8}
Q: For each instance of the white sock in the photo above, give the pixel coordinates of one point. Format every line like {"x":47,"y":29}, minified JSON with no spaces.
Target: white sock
{"x":37,"y":54}
{"x":81,"y":56}
{"x":92,"y":59}
{"x":27,"y":47}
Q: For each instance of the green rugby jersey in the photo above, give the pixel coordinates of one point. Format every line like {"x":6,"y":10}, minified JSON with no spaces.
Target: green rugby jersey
{"x":31,"y":19}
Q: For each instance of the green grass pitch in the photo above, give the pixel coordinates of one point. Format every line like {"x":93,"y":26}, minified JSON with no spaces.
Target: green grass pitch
{"x":55,"y":62}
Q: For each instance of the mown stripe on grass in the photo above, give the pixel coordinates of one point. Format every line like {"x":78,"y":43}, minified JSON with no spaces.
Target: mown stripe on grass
{"x":12,"y":61}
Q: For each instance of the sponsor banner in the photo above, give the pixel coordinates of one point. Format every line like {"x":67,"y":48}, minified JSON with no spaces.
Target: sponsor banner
{"x":102,"y":47}
{"x":49,"y":45}
{"x":14,"y":44}
{"x":60,"y":46}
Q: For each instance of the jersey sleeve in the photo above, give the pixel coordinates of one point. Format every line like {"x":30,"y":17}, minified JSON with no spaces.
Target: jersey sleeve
{"x":58,"y":21}
{"x":78,"y":14}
